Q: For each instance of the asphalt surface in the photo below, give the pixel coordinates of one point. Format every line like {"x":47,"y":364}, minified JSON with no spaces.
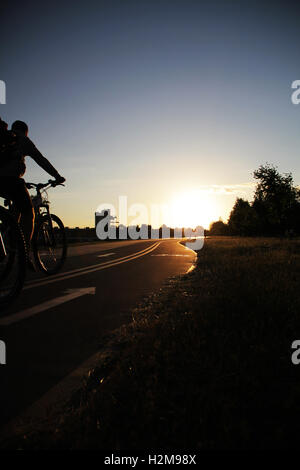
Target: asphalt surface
{"x":57,"y":322}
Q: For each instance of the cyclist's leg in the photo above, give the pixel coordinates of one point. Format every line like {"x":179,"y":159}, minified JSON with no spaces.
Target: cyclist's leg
{"x":14,"y":188}
{"x":23,"y":205}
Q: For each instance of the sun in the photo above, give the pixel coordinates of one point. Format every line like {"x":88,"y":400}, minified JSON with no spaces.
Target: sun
{"x":192,"y":208}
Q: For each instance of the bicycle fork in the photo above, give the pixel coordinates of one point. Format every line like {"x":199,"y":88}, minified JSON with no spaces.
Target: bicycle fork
{"x":3,"y":251}
{"x":51,"y":232}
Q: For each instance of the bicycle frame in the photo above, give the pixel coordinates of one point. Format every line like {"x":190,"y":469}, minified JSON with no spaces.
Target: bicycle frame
{"x":42,"y":207}
{"x":41,"y":204}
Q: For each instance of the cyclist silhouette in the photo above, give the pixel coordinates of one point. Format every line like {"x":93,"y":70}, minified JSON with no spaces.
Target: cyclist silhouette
{"x":12,"y":185}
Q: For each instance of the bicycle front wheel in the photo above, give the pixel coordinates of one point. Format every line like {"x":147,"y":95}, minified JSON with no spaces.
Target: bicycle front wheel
{"x":12,"y":259}
{"x":50,"y":244}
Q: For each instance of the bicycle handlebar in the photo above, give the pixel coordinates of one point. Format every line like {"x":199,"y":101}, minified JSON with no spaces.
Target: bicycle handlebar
{"x":39,"y":186}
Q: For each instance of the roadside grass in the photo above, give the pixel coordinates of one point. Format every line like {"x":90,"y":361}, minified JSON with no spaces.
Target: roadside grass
{"x":205,"y":364}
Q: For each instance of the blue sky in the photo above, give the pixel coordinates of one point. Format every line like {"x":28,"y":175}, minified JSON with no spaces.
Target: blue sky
{"x":153,"y":100}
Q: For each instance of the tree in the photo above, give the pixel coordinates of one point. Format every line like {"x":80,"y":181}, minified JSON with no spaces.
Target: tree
{"x":276,"y":201}
{"x":242,"y":219}
{"x":218,"y":228}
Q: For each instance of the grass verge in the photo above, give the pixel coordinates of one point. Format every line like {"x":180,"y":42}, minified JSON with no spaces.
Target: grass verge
{"x":205,"y":364}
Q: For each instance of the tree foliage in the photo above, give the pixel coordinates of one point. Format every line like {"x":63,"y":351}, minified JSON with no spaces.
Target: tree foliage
{"x":242,"y":219}
{"x":218,"y":228}
{"x":275,"y":209}
{"x":276,"y":201}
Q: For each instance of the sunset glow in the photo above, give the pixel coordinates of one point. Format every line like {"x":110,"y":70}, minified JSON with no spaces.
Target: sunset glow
{"x":192,"y":208}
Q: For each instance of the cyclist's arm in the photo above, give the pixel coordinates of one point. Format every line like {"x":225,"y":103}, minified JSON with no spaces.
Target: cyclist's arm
{"x":36,"y":155}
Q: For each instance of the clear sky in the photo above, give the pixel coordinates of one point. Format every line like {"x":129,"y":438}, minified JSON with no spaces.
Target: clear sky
{"x":162,"y":101}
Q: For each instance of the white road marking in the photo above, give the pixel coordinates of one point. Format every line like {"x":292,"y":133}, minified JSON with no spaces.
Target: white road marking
{"x":106,"y":254}
{"x":170,"y":254}
{"x":70,"y":294}
{"x":89,"y":269}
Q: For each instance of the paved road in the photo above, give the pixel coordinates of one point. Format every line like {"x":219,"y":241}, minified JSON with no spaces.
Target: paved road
{"x":58,"y":322}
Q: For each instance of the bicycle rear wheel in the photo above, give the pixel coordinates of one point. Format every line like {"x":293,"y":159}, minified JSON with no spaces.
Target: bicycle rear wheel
{"x":50,"y":244}
{"x":12,"y":259}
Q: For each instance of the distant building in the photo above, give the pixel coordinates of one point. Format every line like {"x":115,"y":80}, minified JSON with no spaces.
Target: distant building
{"x":105,"y":225}
{"x":101,"y":215}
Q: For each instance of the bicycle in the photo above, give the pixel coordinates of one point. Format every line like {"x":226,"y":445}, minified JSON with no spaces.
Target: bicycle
{"x":49,"y":243}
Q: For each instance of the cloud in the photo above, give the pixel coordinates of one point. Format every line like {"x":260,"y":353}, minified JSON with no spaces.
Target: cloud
{"x":228,"y":189}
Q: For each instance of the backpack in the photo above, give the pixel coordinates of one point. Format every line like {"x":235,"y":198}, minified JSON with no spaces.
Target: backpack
{"x":8,"y":144}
